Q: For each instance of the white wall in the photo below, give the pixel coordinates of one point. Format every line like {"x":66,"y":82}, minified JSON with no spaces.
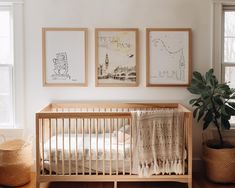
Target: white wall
{"x":195,"y":14}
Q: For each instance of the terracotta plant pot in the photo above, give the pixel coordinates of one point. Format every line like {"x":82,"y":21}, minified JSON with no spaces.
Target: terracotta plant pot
{"x":219,"y":164}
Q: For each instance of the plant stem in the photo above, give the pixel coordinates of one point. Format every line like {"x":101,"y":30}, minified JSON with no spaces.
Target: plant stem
{"x":216,"y":123}
{"x":219,"y":132}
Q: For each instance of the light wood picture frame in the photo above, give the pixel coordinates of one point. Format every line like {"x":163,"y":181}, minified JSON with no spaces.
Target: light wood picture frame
{"x":64,"y":56}
{"x":116,"y":57}
{"x":168,"y":57}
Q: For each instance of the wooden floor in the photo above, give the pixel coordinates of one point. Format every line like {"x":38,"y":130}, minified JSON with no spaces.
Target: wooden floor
{"x":198,"y":182}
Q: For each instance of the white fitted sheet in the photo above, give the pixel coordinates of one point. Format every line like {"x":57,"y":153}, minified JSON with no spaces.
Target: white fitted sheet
{"x":84,"y":148}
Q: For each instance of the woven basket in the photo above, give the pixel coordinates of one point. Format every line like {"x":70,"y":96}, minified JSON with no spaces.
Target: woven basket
{"x":15,"y":162}
{"x":219,"y":164}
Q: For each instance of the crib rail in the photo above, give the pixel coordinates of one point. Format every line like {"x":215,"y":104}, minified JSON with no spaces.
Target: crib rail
{"x":106,"y":106}
{"x":85,"y":140}
{"x":51,"y":127}
{"x":83,"y":114}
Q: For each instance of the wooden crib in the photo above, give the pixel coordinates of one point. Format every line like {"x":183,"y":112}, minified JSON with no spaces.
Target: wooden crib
{"x":81,"y":142}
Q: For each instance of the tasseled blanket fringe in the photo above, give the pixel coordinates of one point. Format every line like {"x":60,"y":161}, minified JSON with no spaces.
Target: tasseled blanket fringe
{"x":161,"y":167}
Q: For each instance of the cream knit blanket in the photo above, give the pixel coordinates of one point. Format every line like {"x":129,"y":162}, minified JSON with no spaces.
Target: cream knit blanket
{"x":159,"y":145}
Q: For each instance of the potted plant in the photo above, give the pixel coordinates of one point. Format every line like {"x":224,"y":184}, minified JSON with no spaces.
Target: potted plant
{"x":214,"y":105}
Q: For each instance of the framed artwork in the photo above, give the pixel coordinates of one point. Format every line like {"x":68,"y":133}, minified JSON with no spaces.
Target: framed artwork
{"x":168,"y":57}
{"x":64,"y":56}
{"x":116,"y":57}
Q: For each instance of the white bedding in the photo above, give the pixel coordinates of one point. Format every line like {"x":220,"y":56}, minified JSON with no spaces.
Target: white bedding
{"x":116,"y":167}
{"x":90,"y":152}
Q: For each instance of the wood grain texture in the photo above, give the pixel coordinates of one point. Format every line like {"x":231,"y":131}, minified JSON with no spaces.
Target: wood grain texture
{"x":105,"y":111}
{"x":199,"y":181}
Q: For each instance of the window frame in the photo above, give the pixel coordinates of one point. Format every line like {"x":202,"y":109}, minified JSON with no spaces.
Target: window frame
{"x":223,"y":63}
{"x":218,"y":35}
{"x":17,"y":68}
{"x":218,"y":39}
{"x":11,"y":95}
{"x":10,"y":67}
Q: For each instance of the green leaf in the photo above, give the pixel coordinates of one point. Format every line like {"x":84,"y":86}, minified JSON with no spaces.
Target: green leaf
{"x":209,"y":74}
{"x":193,"y":90}
{"x":195,"y":112}
{"x":206,"y":124}
{"x":210,"y":106}
{"x":197,"y":75}
{"x":205,"y":95}
{"x":197,"y":104}
{"x":200,"y":114}
{"x":195,"y":81}
{"x":218,"y":100}
{"x":212,"y":82}
{"x":223,"y":111}
{"x":192,"y":101}
{"x":225,"y":123}
{"x":217,"y":114}
{"x":224,"y":87}
{"x":232,"y":104}
{"x":230,"y":110}
{"x":208,"y":116}
{"x":232,"y":95}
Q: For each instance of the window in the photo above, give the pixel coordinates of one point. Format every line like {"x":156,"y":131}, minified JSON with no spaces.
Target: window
{"x":228,"y":63}
{"x":224,"y":42}
{"x":6,"y":68}
{"x":228,"y":60}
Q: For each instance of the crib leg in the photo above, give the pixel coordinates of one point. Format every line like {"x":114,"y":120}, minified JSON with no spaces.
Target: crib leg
{"x":190,"y":184}
{"x":115,"y":184}
{"x":37,"y":184}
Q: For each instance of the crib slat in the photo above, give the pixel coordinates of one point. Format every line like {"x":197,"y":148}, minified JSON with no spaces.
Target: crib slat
{"x":183,"y":145}
{"x":69,"y":146}
{"x":83,"y":150}
{"x":38,"y":148}
{"x":104,"y":148}
{"x":189,"y":134}
{"x":90,"y":157}
{"x":123,"y":146}
{"x":186,"y":124}
{"x":130,"y":145}
{"x":186,"y":140}
{"x":97,"y":122}
{"x":76,"y":150}
{"x":110,"y":144}
{"x":117,"y":148}
{"x":63,"y":124}
{"x":43,"y":172}
{"x":123,"y":123}
{"x":50,"y":162}
{"x":56,"y":153}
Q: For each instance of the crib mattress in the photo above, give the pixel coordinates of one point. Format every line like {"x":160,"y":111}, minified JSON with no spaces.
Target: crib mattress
{"x":88,"y":152}
{"x":69,"y":167}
